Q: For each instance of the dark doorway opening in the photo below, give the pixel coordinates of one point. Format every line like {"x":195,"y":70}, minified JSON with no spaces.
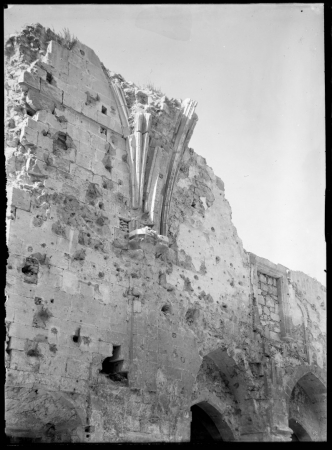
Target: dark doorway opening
{"x":299,"y":433}
{"x":203,"y":429}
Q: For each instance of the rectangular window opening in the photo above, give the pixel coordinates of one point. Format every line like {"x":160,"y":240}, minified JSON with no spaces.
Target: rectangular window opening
{"x":103,"y":110}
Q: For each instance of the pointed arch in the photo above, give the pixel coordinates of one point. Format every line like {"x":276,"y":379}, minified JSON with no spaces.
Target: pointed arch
{"x":223,"y":431}
{"x":299,"y":431}
{"x":311,"y":378}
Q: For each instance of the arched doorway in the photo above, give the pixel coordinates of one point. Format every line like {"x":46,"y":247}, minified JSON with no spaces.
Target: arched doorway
{"x":307,"y":409}
{"x":207,"y":424}
{"x":299,"y":433}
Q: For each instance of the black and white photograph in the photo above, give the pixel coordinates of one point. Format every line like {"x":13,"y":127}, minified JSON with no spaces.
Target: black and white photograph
{"x":165,"y":223}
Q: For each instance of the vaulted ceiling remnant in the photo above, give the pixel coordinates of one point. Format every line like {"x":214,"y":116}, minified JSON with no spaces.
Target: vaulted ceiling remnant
{"x":152,"y":175}
{"x":181,"y":141}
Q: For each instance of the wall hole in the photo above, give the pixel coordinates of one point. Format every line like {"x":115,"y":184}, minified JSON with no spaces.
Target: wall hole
{"x":103,"y":131}
{"x":112,"y":367}
{"x":103,"y":110}
{"x":124,"y":225}
{"x":166,"y":309}
{"x":49,"y":77}
{"x":77,"y":336}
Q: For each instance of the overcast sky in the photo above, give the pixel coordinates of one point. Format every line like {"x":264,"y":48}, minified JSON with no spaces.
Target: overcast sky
{"x":257,"y":72}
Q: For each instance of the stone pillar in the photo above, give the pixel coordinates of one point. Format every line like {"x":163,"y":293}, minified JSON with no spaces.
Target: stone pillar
{"x":320,"y":407}
{"x":285,"y":324}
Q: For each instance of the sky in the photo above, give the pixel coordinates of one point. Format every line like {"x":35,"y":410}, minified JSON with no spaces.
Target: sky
{"x":257,"y":73}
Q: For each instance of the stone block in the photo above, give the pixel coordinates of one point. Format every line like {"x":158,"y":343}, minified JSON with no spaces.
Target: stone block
{"x":266,"y":310}
{"x":105,"y":348}
{"x":80,"y":172}
{"x":37,"y":101}
{"x":90,"y":111}
{"x":275,"y":317}
{"x":270,"y":289}
{"x":172,"y":373}
{"x":22,"y":222}
{"x":84,"y":160}
{"x":45,"y":142}
{"x":53,"y":362}
{"x":98,"y":141}
{"x":19,"y":360}
{"x":262,"y":278}
{"x":51,"y":91}
{"x":60,"y":83}
{"x":274,"y":336}
{"x":78,"y":75}
{"x":68,"y":384}
{"x":26,"y":78}
{"x":20,"y":378}
{"x":77,"y":369}
{"x":73,"y":101}
{"x":19,"y":198}
{"x":86,"y":53}
{"x":78,"y":133}
{"x":57,"y":56}
{"x":105,"y":120}
{"x":37,"y":71}
{"x":48,"y":119}
{"x":137,"y":306}
{"x":36,"y":124}
{"x":133,"y":423}
{"x":70,"y":282}
{"x":14,"y":243}
{"x":16,"y":343}
{"x":269,"y":301}
{"x":29,"y":136}
{"x":260,"y":300}
{"x":10,"y":314}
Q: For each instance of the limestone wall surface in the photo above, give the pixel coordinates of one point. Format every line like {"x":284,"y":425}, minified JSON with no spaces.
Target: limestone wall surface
{"x":129,"y":295}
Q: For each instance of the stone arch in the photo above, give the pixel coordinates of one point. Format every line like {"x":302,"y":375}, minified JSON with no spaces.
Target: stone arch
{"x":304,"y":312}
{"x":222,"y":381}
{"x":306,"y":402}
{"x":237,"y":382}
{"x":311,"y":378}
{"x":299,"y":431}
{"x":212,"y":409}
{"x":52,"y":417}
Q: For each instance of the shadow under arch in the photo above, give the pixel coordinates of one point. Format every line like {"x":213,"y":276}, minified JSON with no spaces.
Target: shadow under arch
{"x":54,"y":414}
{"x":311,"y":379}
{"x":203,"y":412}
{"x":299,"y":432}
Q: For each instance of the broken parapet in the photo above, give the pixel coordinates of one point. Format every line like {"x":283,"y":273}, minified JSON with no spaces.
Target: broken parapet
{"x":130,"y":298}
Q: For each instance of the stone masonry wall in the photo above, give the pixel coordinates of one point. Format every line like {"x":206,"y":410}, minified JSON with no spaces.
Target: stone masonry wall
{"x":129,"y":295}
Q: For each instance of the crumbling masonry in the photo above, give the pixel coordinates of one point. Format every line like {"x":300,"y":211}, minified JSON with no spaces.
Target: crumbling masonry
{"x":133,"y":312}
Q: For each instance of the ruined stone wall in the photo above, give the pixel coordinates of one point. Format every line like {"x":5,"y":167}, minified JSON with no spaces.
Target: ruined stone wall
{"x":129,"y":294}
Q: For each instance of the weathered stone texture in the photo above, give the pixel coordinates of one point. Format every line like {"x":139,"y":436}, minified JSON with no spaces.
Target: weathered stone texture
{"x":130,"y":297}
